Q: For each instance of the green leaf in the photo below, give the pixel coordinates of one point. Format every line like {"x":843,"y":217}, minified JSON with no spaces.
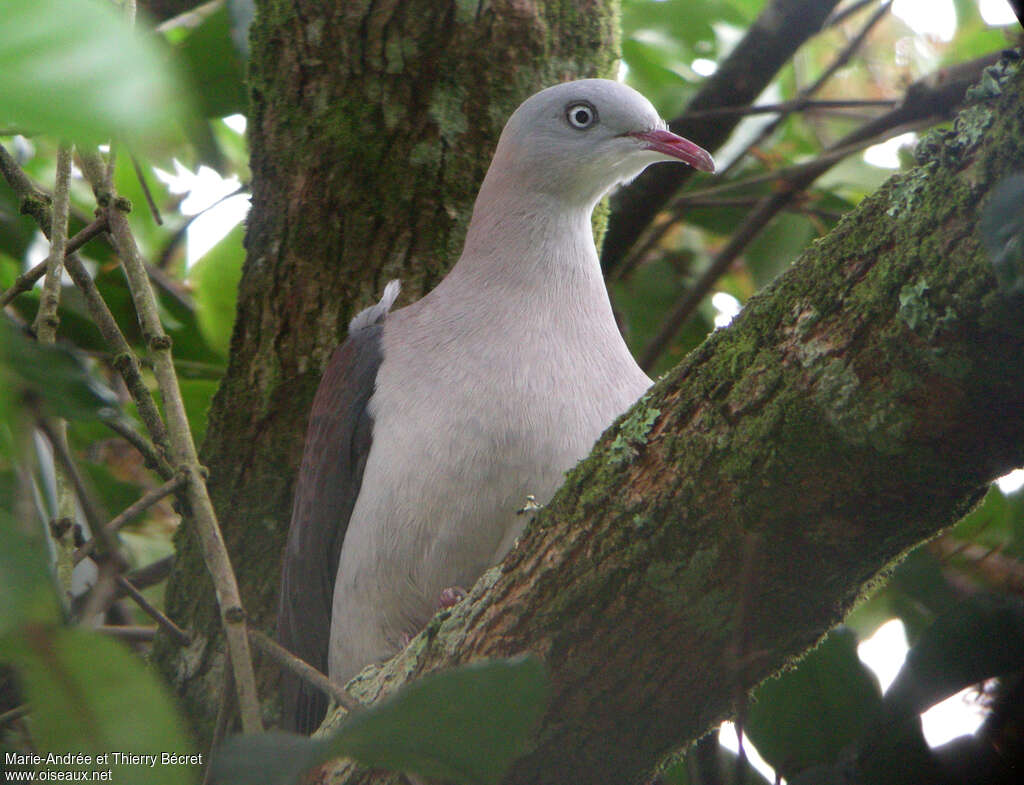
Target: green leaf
{"x":997,"y":523}
{"x":1002,"y":229}
{"x":74,"y":69}
{"x":26,"y":593}
{"x":465,"y":725}
{"x":707,"y":761}
{"x":644,"y":300}
{"x":53,"y":374}
{"x":91,"y":695}
{"x":778,"y":244}
{"x":810,"y":714}
{"x":16,"y":231}
{"x":980,"y":637}
{"x":197,"y":394}
{"x":215,"y":280}
{"x":214,"y":65}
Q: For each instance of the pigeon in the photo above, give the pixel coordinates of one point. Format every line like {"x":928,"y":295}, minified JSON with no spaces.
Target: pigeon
{"x":435,"y":422}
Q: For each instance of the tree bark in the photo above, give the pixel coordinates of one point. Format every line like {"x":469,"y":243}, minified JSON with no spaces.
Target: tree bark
{"x":372,"y":124}
{"x":857,"y":407}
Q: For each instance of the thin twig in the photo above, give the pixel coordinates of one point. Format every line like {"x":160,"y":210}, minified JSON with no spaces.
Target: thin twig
{"x":14,"y":714}
{"x":1005,"y":573}
{"x":125,"y":361}
{"x":94,"y":228}
{"x":101,"y":594}
{"x":795,"y":105}
{"x":89,"y":508}
{"x":34,"y":202}
{"x":787,"y":174}
{"x":183,"y":449}
{"x":150,"y":454}
{"x":167,"y":252}
{"x":131,"y":512}
{"x":840,"y":15}
{"x":302,"y":669}
{"x":178,"y":635}
{"x":22,"y":283}
{"x":805,"y":93}
{"x":924,"y":102}
{"x":147,"y":576}
{"x":27,"y":280}
{"x":46,"y":323}
{"x":128,"y":633}
{"x":150,"y":575}
{"x":781,"y":178}
{"x":153,"y":209}
{"x":47,"y":317}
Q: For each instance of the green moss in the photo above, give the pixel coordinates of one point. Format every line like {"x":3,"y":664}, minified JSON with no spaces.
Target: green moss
{"x":394,"y":53}
{"x":906,"y":190}
{"x":446,"y":110}
{"x":466,"y":11}
{"x":632,"y":433}
{"x":914,"y":308}
{"x":426,"y":154}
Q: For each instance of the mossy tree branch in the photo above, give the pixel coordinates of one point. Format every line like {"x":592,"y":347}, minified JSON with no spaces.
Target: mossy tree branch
{"x":857,"y":407}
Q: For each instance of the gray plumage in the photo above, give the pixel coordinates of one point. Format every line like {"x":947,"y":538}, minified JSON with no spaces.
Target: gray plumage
{"x":434,"y":422}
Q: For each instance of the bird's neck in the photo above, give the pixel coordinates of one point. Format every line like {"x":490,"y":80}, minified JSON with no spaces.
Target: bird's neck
{"x":525,"y":237}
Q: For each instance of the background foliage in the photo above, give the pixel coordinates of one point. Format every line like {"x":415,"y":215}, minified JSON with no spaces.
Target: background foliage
{"x":958,"y":597}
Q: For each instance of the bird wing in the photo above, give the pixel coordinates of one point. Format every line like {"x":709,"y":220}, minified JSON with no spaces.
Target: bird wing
{"x":338,"y":441}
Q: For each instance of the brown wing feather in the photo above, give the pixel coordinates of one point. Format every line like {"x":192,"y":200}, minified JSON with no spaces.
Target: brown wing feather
{"x":337,"y":442}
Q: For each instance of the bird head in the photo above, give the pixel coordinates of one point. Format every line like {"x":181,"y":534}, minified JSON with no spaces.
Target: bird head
{"x":577,"y":140}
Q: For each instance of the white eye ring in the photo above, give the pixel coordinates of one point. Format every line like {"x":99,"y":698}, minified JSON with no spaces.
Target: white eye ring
{"x":581,"y":115}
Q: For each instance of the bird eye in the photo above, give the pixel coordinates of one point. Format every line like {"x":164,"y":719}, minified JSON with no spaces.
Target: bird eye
{"x":581,"y":115}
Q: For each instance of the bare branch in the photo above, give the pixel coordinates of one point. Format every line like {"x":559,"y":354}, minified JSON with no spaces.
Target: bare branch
{"x":89,"y":508}
{"x":184,"y":452}
{"x":27,"y":280}
{"x":151,"y":574}
{"x":153,"y":209}
{"x":47,"y":318}
{"x":131,"y":512}
{"x":177,"y":634}
{"x":840,"y":15}
{"x":782,"y":28}
{"x":125,"y":361}
{"x":128,"y":633}
{"x":924,"y":100}
{"x":302,"y":669}
{"x":795,"y":105}
{"x":14,"y":714}
{"x":150,"y":454}
{"x":838,"y":62}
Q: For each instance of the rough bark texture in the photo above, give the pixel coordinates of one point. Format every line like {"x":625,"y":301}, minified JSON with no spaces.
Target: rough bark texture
{"x":857,"y":407}
{"x":372,"y":124}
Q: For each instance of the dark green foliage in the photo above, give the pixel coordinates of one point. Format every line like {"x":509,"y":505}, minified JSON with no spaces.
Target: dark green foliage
{"x":1002,"y":227}
{"x":466,"y":725}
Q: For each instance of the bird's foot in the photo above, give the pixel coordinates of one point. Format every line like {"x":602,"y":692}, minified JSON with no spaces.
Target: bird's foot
{"x":530,"y":506}
{"x":450,"y":596}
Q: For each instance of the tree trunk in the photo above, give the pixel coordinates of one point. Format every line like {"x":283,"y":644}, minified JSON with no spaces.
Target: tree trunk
{"x":857,"y":407}
{"x":372,"y":124}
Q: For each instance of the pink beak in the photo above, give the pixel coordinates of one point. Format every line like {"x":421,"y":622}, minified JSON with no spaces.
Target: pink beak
{"x":668,"y":143}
